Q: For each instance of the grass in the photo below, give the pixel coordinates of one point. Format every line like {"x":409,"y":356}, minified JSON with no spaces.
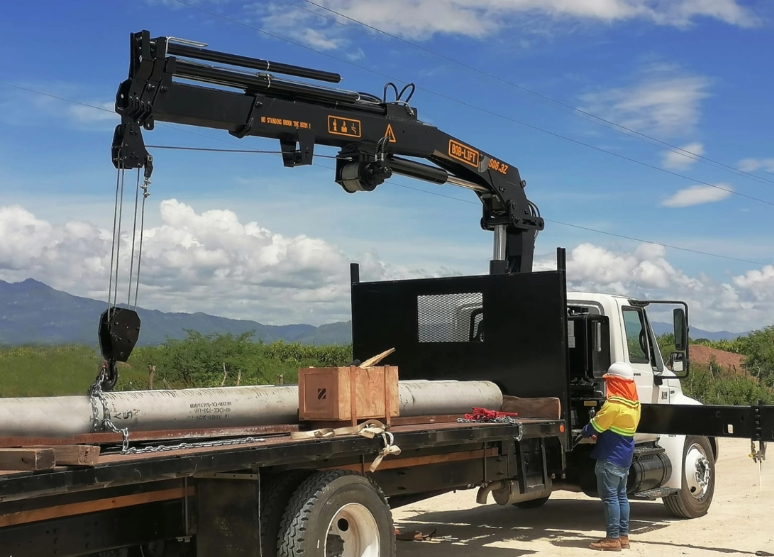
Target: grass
{"x":55,"y":370}
{"x":198,"y":361}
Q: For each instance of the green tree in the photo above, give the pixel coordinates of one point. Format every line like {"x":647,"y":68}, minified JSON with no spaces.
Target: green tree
{"x":201,"y":360}
{"x":758,"y":348}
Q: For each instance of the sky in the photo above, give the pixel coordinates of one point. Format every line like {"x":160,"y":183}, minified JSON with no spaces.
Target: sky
{"x":640,"y":126}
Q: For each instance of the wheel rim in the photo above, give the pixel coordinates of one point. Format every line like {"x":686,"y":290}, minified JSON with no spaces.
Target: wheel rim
{"x":352,"y":532}
{"x":697,"y":471}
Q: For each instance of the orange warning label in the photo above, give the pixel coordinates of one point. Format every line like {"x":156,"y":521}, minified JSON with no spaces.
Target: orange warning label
{"x":389,"y":134}
{"x":343,"y":126}
{"x":463,"y":153}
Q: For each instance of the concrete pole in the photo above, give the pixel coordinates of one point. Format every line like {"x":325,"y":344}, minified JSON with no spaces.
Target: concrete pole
{"x":67,"y":416}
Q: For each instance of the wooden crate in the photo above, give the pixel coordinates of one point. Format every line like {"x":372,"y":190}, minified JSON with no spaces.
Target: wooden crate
{"x":348,"y":393}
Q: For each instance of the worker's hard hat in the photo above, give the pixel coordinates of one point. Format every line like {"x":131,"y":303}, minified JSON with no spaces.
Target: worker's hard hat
{"x":622,"y":370}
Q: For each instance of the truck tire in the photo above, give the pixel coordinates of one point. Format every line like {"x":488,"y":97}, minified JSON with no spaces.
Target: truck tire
{"x":698,"y":483}
{"x":337,"y":513}
{"x":532,"y":503}
{"x":274,"y":498}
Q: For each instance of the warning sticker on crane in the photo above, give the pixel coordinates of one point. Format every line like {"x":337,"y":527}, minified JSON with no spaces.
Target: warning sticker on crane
{"x":390,"y":135}
{"x":463,"y":153}
{"x":343,"y":126}
{"x":285,"y":122}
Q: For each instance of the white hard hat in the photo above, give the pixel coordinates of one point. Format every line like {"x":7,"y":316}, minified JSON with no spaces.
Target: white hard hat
{"x":622,"y":370}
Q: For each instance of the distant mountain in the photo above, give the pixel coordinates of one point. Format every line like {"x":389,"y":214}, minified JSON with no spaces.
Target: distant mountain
{"x":664,"y":328}
{"x":33,"y":313}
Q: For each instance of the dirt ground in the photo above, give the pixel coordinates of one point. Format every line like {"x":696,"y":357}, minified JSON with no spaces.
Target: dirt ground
{"x":739,"y":521}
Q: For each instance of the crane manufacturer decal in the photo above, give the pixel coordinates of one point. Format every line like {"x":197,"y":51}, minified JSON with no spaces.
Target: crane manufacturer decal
{"x":463,"y":153}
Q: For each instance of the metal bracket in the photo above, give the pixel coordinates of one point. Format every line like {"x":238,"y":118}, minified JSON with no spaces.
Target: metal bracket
{"x":247,"y":127}
{"x":304,"y":154}
{"x":226,"y":476}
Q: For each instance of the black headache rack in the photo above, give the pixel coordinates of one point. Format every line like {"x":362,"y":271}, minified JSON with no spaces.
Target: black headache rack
{"x":510,"y":329}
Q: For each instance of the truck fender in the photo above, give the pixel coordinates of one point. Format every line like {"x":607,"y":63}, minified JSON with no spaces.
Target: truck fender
{"x":673,"y":446}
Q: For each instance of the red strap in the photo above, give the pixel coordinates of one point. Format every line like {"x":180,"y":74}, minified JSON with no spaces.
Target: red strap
{"x":484,"y":415}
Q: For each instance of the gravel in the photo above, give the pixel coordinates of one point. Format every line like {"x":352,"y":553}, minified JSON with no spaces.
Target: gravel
{"x":738,"y":523}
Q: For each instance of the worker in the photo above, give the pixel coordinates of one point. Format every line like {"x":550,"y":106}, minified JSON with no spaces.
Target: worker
{"x":614,"y":427}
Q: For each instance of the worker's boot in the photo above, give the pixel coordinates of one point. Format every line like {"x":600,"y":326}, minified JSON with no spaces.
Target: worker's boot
{"x":624,"y":542}
{"x":607,"y":544}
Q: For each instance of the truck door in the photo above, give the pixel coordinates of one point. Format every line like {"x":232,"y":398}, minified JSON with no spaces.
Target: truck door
{"x":638,"y":350}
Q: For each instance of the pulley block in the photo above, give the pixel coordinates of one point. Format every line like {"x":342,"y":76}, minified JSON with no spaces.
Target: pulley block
{"x":119,"y":329}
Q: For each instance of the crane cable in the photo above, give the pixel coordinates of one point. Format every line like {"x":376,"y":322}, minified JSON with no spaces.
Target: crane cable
{"x":115,"y":252}
{"x":108,"y":374}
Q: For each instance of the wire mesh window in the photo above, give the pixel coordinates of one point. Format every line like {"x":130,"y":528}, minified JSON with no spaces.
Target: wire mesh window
{"x":450,"y":317}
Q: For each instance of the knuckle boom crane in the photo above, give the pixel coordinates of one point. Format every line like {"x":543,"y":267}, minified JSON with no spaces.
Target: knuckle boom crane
{"x":243,"y":96}
{"x":374,"y":135}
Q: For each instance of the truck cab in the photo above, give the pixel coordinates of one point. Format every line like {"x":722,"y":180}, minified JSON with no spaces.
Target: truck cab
{"x":688,"y":483}
{"x":633,"y":340}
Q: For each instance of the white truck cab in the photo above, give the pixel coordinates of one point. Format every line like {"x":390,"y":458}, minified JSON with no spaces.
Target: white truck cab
{"x":689,"y":490}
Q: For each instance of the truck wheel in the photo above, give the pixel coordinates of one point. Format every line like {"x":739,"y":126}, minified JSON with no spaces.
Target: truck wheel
{"x":531,"y":504}
{"x":698,"y":485}
{"x":337,"y":514}
{"x":274,"y":499}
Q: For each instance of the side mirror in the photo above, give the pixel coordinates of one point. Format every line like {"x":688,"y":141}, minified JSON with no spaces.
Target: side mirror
{"x":677,"y":360}
{"x":680,"y":325}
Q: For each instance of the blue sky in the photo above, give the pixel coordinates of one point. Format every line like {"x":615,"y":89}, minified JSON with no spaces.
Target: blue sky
{"x":692,"y":76}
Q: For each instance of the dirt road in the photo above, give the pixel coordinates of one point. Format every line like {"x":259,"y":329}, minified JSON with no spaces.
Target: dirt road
{"x":739,"y":521}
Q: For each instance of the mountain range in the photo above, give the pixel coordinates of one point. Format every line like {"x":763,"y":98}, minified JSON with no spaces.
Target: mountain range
{"x":34,"y":313}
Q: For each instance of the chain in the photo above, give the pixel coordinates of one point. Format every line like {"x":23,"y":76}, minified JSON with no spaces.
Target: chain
{"x":145,"y":195}
{"x":99,"y":402}
{"x":182,"y":446}
{"x":106,"y":423}
{"x":499,"y":420}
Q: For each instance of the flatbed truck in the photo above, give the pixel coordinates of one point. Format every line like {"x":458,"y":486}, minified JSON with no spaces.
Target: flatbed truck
{"x":273,"y":491}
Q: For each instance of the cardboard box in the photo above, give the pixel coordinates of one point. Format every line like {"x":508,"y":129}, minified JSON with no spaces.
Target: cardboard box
{"x":325,"y":394}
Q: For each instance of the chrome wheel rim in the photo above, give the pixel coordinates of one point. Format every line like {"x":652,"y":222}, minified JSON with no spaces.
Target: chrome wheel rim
{"x":697,"y":471}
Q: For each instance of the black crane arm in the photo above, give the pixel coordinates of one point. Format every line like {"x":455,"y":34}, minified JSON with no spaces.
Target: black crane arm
{"x":374,"y":136}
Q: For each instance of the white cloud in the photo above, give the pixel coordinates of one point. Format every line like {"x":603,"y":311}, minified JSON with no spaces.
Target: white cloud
{"x":662,"y":101}
{"x":212,"y":262}
{"x":759,"y":282}
{"x":683,"y":158}
{"x":96,"y":112}
{"x":697,"y":195}
{"x":193,"y":261}
{"x":25,"y":107}
{"x":745,"y":303}
{"x":422,"y":19}
{"x":752,"y":165}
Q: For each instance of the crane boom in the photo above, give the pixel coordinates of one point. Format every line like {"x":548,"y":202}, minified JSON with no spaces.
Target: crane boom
{"x":374,"y":136}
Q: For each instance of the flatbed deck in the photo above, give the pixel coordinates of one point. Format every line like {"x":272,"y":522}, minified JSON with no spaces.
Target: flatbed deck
{"x":276,"y":450}
{"x":138,"y":498}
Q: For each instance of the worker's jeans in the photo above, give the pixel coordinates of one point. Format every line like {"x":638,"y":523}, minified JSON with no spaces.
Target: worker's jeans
{"x":611,"y":484}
